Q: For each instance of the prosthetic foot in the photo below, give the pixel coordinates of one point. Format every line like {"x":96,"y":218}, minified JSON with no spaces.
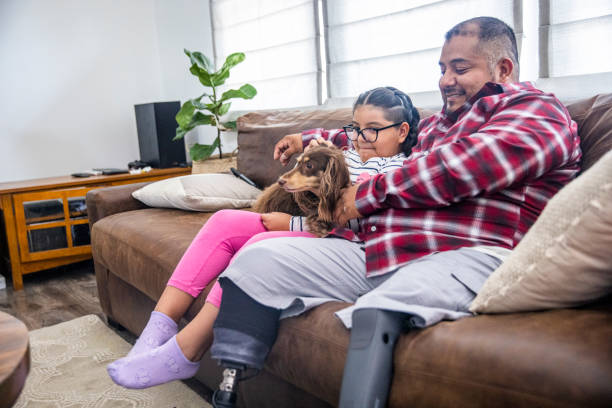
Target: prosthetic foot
{"x":227,"y":394}
{"x":369,"y":364}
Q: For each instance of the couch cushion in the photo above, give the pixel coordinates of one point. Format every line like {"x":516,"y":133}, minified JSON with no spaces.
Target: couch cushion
{"x":199,"y":192}
{"x":144,"y":246}
{"x":259,"y":131}
{"x":564,"y":260}
{"x":594,"y":119}
{"x":557,"y":358}
{"x":545,"y":359}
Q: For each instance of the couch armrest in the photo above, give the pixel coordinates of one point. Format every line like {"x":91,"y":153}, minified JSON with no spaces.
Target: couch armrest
{"x":103,"y":202}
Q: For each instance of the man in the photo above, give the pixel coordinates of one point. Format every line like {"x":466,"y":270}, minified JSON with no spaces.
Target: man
{"x":431,"y":232}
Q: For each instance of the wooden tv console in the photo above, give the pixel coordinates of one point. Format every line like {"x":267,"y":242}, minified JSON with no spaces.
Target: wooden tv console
{"x":45,"y":220}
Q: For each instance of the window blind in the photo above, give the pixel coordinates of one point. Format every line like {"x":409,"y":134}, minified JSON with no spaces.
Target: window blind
{"x":281,"y":44}
{"x":397,"y":43}
{"x":574,"y":37}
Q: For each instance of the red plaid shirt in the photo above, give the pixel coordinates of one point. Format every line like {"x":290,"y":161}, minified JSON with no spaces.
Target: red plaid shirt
{"x":478,"y":176}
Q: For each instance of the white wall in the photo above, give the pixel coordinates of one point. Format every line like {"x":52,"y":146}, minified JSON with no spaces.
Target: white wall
{"x":187,"y":27}
{"x":71,"y":72}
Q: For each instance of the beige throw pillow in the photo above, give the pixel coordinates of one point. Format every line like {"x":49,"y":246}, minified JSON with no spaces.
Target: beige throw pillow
{"x":198,"y":192}
{"x":566,"y":257}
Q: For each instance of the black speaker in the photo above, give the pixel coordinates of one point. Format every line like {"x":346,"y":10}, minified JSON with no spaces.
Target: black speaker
{"x":156,"y":127}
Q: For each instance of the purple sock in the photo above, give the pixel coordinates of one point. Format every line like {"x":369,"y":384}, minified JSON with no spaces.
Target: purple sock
{"x":158,"y":366}
{"x":157,"y":331}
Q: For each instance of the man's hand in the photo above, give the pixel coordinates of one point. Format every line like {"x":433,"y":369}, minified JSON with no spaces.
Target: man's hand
{"x":346,"y":209}
{"x":276,"y":221}
{"x":287,"y":147}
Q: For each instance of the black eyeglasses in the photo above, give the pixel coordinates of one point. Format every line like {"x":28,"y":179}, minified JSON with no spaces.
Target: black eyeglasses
{"x":370,"y":135}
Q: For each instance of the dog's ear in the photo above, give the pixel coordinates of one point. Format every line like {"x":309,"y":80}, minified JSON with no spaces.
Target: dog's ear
{"x":333,"y":180}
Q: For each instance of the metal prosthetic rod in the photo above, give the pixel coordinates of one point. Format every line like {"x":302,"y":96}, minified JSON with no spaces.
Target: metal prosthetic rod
{"x":369,"y":364}
{"x":226,"y":395}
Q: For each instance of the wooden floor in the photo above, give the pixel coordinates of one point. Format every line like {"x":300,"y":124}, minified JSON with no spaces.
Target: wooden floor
{"x":53,"y":296}
{"x":61,"y":294}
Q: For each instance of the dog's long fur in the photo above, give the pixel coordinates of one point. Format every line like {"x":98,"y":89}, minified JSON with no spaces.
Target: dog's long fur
{"x":311,"y":189}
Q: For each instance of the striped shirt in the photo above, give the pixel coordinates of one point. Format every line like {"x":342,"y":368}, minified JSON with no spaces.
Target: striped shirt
{"x":479,"y":176}
{"x":373,"y":166}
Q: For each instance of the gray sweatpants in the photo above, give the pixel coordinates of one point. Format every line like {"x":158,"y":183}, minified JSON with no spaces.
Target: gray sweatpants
{"x":295,"y":274}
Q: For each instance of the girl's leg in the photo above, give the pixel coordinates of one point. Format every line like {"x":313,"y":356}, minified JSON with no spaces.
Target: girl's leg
{"x":197,"y":336}
{"x":176,"y":359}
{"x":158,"y":330}
{"x":184,"y":350}
{"x":160,"y":365}
{"x":207,"y":256}
{"x":214,"y":296}
{"x":173,"y":302}
{"x":173,"y":360}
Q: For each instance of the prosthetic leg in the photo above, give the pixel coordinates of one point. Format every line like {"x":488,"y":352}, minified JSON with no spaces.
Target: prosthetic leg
{"x":244,"y":333}
{"x":227,"y":394}
{"x":369,"y":365}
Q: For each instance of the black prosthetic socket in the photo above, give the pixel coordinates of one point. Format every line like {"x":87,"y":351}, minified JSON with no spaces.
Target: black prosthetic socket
{"x":240,"y":312}
{"x":369,"y":365}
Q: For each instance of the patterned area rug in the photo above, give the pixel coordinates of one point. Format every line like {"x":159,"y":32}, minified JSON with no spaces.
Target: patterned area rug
{"x":69,"y":371}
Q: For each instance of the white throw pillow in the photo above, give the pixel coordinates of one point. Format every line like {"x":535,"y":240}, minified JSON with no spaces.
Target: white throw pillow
{"x":566,"y":257}
{"x":198,"y":192}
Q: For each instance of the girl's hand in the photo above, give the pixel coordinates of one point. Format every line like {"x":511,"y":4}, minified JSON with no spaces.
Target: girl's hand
{"x":319,"y":142}
{"x":276,"y":221}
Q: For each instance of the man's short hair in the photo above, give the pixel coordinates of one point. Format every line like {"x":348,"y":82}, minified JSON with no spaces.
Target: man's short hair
{"x":496,"y":39}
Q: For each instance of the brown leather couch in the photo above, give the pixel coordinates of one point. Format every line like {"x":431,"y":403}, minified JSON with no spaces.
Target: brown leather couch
{"x":557,"y":358}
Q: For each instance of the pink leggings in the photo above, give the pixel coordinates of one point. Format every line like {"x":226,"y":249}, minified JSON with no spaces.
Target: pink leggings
{"x":214,"y":247}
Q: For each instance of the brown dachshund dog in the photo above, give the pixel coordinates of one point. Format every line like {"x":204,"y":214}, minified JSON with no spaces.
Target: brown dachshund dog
{"x":311,"y":189}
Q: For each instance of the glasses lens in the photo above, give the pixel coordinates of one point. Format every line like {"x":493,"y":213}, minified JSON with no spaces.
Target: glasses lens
{"x":351,"y":132}
{"x":369,"y":134}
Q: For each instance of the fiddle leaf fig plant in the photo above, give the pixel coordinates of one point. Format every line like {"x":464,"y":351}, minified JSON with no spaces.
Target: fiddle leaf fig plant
{"x":208,"y":108}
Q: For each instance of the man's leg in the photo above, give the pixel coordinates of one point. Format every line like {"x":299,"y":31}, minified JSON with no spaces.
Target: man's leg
{"x":367,"y":371}
{"x":419,"y":294}
{"x":283,"y":276}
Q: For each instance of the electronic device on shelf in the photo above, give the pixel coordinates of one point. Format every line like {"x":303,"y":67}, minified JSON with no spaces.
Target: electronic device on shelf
{"x":156,"y":127}
{"x":138,"y":164}
{"x":110,"y":171}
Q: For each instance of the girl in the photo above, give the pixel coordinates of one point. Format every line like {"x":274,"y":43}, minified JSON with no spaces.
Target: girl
{"x":383,"y":131}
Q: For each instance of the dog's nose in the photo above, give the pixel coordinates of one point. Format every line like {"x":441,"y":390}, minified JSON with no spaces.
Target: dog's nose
{"x":282,"y":182}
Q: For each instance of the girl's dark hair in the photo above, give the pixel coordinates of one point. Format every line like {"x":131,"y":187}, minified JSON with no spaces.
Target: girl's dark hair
{"x":397,"y":107}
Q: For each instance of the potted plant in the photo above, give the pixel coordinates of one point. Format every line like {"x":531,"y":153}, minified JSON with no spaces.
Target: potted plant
{"x":208,"y":108}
